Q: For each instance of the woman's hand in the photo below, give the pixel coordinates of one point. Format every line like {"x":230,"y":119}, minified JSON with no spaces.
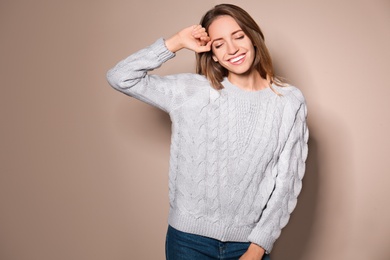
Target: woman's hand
{"x":194,"y":38}
{"x":254,"y":252}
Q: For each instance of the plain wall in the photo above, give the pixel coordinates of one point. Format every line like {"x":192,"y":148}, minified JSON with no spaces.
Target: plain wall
{"x":84,"y":169}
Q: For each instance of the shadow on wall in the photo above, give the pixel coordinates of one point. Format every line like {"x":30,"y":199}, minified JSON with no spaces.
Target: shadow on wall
{"x":296,"y":236}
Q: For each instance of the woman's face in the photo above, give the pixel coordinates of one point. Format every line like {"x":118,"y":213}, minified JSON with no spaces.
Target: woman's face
{"x":231,"y":47}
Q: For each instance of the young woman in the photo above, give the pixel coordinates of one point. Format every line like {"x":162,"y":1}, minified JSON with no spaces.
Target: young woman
{"x":239,"y":137}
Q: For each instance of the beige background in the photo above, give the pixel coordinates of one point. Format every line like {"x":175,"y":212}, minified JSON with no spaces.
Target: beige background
{"x":84,"y":168}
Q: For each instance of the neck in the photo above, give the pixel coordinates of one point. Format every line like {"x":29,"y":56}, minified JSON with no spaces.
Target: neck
{"x":251,"y":81}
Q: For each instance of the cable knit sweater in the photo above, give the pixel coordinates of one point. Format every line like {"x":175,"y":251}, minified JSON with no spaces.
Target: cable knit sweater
{"x":237,"y":158}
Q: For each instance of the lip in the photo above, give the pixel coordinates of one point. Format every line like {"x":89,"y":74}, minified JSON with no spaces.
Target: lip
{"x":237,"y":59}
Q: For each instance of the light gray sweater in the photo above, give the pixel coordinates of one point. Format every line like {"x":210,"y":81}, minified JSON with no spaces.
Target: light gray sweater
{"x":237,"y":158}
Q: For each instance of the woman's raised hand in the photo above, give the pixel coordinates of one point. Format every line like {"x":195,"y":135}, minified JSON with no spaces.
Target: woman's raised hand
{"x":194,"y":38}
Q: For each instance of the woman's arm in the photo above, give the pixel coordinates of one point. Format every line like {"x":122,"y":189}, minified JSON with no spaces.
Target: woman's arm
{"x":130,"y":76}
{"x":290,"y":169}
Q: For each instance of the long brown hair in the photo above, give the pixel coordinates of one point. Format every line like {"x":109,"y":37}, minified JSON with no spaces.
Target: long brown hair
{"x":213,"y":71}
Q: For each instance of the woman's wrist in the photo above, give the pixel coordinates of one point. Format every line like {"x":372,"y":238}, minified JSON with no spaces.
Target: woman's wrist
{"x":254,"y":252}
{"x":256,"y":249}
{"x":173,"y":43}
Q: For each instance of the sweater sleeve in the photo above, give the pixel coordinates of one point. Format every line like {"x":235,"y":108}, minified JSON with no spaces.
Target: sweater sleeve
{"x":288,"y":174}
{"x":130,"y":76}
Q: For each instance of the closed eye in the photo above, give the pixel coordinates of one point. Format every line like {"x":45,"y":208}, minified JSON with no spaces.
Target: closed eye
{"x":217,"y":46}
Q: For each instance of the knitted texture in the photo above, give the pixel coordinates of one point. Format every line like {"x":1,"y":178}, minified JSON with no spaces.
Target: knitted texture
{"x":237,"y":158}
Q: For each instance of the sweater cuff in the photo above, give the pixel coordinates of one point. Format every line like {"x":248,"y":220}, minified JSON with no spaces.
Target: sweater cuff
{"x":262,"y":239}
{"x":161,"y":50}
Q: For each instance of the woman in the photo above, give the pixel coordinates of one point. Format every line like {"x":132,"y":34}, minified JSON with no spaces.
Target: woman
{"x":239,"y":137}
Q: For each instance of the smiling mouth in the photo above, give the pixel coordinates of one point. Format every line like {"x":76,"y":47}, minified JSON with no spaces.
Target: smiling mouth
{"x":238,"y":59}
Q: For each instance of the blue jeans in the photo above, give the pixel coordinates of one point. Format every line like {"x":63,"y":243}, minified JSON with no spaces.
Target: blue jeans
{"x":184,"y":246}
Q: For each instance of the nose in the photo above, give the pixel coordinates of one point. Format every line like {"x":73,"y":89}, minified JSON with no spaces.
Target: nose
{"x":232,"y":48}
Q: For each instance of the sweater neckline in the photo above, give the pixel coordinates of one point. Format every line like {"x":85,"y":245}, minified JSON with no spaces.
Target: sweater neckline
{"x":238,"y":92}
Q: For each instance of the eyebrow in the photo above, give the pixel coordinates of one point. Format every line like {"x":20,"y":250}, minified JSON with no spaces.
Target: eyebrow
{"x":233,"y":33}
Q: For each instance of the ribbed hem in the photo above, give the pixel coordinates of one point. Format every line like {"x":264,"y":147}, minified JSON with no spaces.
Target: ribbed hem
{"x":203,"y":227}
{"x":240,"y":93}
{"x":161,"y":50}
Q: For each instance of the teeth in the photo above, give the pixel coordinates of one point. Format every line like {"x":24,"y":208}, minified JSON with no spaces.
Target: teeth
{"x":237,"y":58}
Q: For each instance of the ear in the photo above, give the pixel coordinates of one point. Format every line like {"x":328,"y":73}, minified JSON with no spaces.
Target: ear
{"x":215,"y":58}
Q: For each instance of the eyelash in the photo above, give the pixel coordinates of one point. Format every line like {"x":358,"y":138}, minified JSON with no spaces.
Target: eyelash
{"x":237,"y":38}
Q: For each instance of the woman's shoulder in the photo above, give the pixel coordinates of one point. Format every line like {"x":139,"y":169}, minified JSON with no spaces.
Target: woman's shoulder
{"x":291,"y":93}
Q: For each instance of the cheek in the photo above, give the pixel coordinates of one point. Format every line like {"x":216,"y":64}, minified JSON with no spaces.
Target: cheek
{"x":217,"y":54}
{"x":251,"y":47}
{"x":253,"y":51}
